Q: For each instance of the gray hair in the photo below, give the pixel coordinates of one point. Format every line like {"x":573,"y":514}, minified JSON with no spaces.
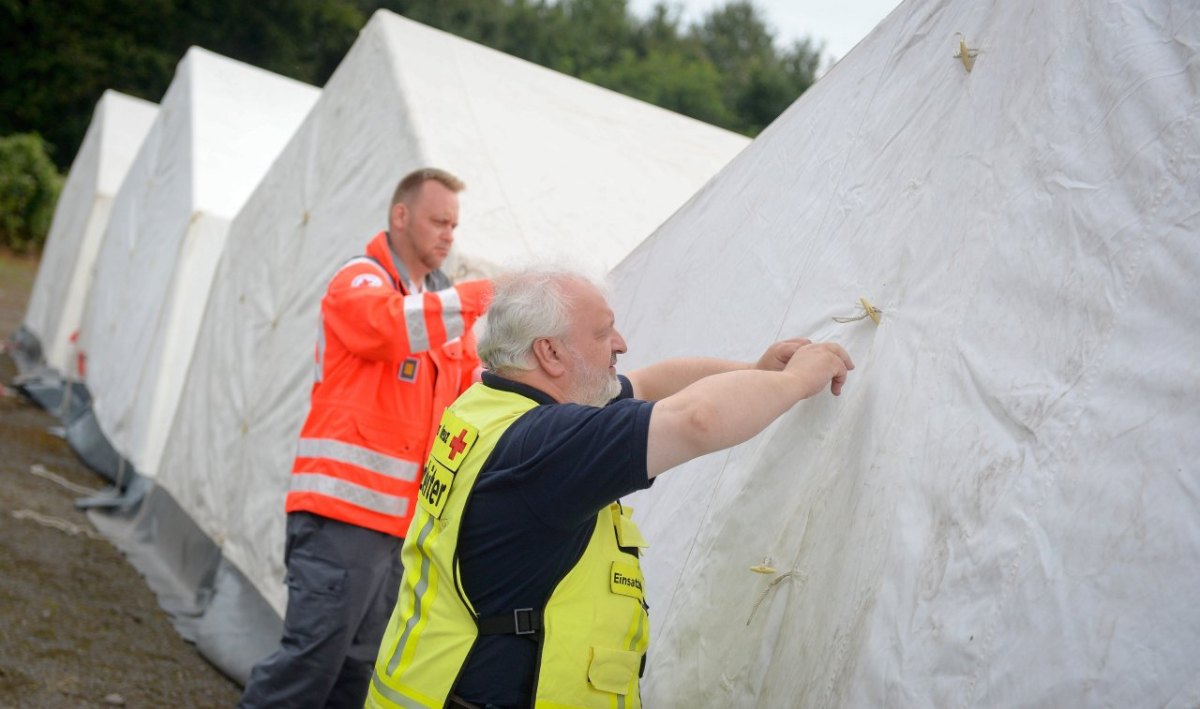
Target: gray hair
{"x":526,"y":305}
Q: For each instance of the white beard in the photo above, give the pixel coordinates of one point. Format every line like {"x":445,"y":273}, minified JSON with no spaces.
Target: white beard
{"x":593,"y":387}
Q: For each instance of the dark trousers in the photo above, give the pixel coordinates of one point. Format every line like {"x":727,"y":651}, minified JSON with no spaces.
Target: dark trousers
{"x":342,"y":584}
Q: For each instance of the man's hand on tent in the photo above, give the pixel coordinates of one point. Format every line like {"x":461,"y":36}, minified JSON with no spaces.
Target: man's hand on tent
{"x":820,"y":363}
{"x":727,"y":408}
{"x":777,"y":355}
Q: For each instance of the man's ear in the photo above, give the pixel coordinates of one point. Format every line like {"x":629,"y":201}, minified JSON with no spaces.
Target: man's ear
{"x":550,"y":356}
{"x":399,"y":215}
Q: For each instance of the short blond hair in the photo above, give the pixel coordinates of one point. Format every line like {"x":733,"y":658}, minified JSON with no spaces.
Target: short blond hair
{"x":412,"y":182}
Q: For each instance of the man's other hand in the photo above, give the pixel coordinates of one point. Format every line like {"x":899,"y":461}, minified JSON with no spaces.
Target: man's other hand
{"x":777,"y":355}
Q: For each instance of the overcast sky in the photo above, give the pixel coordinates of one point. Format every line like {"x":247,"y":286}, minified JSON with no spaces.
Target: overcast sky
{"x":840,"y":23}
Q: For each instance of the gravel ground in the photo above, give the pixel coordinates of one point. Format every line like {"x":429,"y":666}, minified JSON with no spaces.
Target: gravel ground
{"x":79,"y":627}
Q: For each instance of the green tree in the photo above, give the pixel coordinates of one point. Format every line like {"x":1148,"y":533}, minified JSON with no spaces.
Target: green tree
{"x":660,"y":30}
{"x":596,"y":33}
{"x":757,"y":83}
{"x":773,"y":86}
{"x":60,"y":55}
{"x":304,"y":40}
{"x":736,"y":38}
{"x":669,"y":79}
{"x":29,"y":188}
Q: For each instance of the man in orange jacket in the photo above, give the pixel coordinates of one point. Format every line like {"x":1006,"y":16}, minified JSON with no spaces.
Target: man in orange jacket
{"x":395,"y":349}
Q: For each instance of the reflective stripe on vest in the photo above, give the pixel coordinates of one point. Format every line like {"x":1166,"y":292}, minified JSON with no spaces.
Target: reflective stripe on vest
{"x":414,"y":322}
{"x":596,"y":628}
{"x":451,"y":312}
{"x":337,"y":488}
{"x":414,"y":317}
{"x":358,"y":456}
{"x":418,"y":595}
{"x":362,"y":457}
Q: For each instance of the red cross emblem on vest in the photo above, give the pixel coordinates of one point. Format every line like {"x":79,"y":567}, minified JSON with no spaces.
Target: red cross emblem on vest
{"x":458,"y":443}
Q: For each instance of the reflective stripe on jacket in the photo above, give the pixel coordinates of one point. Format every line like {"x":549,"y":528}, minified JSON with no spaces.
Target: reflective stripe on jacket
{"x":595,"y":626}
{"x":388,"y":364}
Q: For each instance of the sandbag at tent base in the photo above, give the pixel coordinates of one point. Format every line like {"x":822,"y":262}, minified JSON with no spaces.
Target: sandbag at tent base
{"x":210,"y":602}
{"x":25,"y":349}
{"x":62,"y":398}
{"x":123,"y":497}
{"x":93,"y":448}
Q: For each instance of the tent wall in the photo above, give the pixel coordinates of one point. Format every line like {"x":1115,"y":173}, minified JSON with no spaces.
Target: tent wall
{"x":221,"y":124}
{"x":119,"y":125}
{"x":1002,"y":508}
{"x":210,"y":603}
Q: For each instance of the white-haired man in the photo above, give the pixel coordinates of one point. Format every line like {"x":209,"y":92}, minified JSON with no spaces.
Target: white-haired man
{"x":521,"y":579}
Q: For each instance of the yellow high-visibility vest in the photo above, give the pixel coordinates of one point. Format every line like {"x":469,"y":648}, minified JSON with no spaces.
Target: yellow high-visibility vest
{"x":595,"y":625}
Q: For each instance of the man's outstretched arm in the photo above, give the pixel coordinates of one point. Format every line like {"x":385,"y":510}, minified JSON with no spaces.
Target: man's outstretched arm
{"x":722,"y":410}
{"x":670,"y":376}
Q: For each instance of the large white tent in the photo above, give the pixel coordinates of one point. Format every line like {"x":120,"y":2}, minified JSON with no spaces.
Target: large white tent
{"x":1003,"y":507}
{"x":118,"y":127}
{"x":221,"y":124}
{"x":555,"y":168}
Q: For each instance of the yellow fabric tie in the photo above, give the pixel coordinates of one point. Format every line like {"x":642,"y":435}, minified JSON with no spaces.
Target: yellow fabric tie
{"x":869,"y":311}
{"x":965,"y":53}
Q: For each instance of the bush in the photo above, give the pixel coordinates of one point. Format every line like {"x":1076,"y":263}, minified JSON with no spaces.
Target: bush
{"x":29,"y":187}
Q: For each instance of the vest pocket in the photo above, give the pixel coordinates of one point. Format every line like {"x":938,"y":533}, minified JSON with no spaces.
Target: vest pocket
{"x":628,"y":534}
{"x":453,"y":349}
{"x":613,"y":670}
{"x":391,"y":436}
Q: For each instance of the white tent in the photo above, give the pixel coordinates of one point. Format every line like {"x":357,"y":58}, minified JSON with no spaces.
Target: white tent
{"x":221,"y":124}
{"x":1003,"y":507}
{"x":119,"y":125}
{"x":555,"y":168}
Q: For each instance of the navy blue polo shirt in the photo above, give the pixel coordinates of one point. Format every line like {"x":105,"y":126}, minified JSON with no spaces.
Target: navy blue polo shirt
{"x":531,"y":514}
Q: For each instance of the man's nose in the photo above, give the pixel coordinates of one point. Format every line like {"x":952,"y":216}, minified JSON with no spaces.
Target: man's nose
{"x":619,"y":344}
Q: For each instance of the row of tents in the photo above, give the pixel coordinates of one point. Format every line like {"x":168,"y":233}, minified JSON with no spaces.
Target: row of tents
{"x":992,"y":205}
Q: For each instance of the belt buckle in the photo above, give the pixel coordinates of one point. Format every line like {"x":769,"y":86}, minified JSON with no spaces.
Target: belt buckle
{"x":528,"y":624}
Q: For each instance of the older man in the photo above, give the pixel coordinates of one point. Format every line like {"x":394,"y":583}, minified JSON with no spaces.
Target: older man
{"x":521,"y":582}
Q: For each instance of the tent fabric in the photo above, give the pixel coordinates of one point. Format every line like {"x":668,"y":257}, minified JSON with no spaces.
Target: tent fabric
{"x":1003,"y":507}
{"x":220,"y":126}
{"x":118,"y":127}
{"x":555,"y":169}
{"x":193,"y":582}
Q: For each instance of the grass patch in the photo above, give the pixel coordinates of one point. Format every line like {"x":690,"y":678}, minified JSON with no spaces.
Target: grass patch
{"x":17,"y":273}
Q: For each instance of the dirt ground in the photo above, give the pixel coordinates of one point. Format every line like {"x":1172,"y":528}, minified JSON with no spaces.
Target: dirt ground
{"x":79,"y":627}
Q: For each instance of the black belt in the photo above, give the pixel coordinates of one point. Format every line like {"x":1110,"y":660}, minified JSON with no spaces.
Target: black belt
{"x":456,"y":702}
{"x":522,"y":621}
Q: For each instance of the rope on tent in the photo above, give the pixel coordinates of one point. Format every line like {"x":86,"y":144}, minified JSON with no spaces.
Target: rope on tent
{"x":56,"y":523}
{"x":770,"y":585}
{"x":869,"y":311}
{"x":39,"y":470}
{"x":965,"y":53}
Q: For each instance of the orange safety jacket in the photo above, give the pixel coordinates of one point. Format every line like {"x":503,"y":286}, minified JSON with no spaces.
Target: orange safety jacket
{"x":388,"y":363}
